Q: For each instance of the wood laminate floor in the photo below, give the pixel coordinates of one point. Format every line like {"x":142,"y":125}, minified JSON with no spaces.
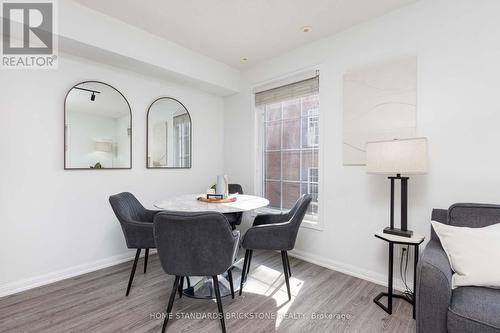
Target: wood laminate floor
{"x":96,"y":302}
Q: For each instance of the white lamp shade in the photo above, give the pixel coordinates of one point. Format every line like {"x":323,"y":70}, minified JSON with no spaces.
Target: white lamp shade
{"x":405,"y":156}
{"x":105,"y":147}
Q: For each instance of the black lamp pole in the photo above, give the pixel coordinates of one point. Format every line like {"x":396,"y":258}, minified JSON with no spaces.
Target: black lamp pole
{"x":404,"y":232}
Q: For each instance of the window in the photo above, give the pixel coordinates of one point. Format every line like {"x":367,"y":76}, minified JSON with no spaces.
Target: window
{"x":313,"y":128}
{"x":290,"y":145}
{"x":312,"y":186}
{"x":182,"y":146}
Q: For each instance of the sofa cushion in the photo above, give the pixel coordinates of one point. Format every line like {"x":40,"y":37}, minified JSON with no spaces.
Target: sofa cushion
{"x":473,"y":215}
{"x":472,"y":253}
{"x":474,"y":309}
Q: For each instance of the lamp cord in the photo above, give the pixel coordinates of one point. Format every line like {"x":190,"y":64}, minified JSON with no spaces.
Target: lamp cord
{"x":403,"y":271}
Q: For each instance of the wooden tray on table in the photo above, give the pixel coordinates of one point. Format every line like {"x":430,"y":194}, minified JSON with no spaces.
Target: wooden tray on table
{"x":217,"y":200}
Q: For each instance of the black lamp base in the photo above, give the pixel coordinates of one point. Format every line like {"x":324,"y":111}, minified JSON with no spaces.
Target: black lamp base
{"x":398,"y":232}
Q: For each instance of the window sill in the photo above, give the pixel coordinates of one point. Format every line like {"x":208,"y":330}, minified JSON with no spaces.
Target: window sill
{"x":312,"y":224}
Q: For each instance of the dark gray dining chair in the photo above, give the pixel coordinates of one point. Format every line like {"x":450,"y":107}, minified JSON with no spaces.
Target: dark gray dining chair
{"x":195,"y":244}
{"x":137,"y":226}
{"x":234,"y":218}
{"x":276,"y":232}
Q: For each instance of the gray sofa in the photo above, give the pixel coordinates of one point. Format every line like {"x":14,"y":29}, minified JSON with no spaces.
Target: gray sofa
{"x":465,"y":309}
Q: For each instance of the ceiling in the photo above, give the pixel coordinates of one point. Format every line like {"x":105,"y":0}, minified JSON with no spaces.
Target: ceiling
{"x":229,"y":30}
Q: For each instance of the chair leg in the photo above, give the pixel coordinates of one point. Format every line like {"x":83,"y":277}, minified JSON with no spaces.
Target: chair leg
{"x":243,"y":271}
{"x":249,"y":262}
{"x":230,"y":276}
{"x":288,"y":264}
{"x":170,"y":303}
{"x":181,"y":285}
{"x":146,"y":256}
{"x":219,"y":303}
{"x":285,"y":270}
{"x":134,"y":266}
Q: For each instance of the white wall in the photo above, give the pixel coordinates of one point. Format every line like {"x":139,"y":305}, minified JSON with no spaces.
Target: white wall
{"x":57,"y":223}
{"x":458,"y":49}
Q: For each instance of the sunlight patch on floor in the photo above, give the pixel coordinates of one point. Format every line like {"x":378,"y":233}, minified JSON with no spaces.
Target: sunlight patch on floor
{"x":266,"y":281}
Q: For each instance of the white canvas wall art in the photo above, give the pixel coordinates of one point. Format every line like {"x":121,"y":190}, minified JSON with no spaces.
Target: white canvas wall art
{"x":379,"y":103}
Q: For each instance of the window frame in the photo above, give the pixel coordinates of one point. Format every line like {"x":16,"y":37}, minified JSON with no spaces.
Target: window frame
{"x":310,"y":222}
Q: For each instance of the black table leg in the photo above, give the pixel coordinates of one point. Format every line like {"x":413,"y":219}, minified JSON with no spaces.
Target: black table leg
{"x":415,"y":261}
{"x":390,"y":292}
{"x":389,"y":286}
{"x":146,"y":255}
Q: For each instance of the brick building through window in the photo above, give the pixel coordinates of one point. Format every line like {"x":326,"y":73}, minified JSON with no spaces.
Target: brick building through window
{"x":290,"y":149}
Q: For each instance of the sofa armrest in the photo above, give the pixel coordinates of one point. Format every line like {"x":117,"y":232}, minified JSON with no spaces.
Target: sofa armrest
{"x":441,"y":216}
{"x":433,"y":289}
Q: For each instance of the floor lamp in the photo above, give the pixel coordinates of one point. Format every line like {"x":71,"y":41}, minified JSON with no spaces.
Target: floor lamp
{"x":396,"y":158}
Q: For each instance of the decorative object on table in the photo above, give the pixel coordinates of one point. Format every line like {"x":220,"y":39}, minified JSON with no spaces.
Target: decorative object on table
{"x":415,"y":240}
{"x":94,"y":132}
{"x":379,"y":103}
{"x":217,"y":198}
{"x":226,"y":183}
{"x":467,"y":309}
{"x":214,"y":196}
{"x":397,"y":157}
{"x":222,"y":185}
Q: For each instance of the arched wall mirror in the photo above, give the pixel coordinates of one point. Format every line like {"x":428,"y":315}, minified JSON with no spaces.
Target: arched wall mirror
{"x":169,"y":135}
{"x":97,"y":128}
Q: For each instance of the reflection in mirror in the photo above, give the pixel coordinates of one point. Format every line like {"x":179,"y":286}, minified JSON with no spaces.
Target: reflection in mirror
{"x":169,"y":134}
{"x":98,"y":128}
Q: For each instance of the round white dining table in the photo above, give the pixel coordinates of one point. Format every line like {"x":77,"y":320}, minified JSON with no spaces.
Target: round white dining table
{"x":190,"y":203}
{"x":202,"y":287}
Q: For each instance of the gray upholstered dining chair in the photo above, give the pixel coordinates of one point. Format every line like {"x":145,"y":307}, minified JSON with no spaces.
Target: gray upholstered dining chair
{"x":276,"y":232}
{"x":195,"y":244}
{"x":137,"y":226}
{"x":234,"y":218}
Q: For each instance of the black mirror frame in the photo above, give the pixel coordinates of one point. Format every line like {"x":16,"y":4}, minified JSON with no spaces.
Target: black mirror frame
{"x":190,"y":136}
{"x":131,"y":129}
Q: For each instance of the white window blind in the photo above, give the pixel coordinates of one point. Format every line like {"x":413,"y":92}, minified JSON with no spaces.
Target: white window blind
{"x":287,"y":92}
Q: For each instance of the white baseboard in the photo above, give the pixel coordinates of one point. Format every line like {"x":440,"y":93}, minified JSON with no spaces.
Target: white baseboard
{"x":41,"y":280}
{"x":25,"y":284}
{"x":346,"y":269}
